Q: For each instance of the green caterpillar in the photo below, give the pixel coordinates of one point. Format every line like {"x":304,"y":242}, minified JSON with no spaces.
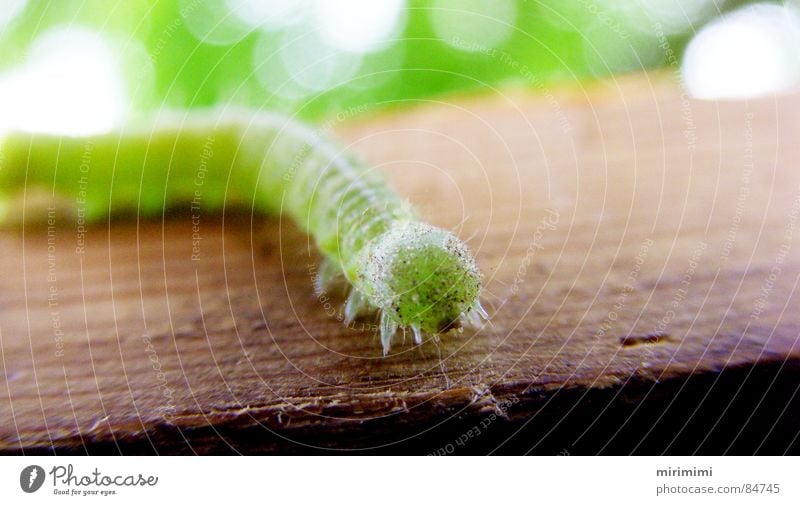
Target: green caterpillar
{"x":418,"y":276}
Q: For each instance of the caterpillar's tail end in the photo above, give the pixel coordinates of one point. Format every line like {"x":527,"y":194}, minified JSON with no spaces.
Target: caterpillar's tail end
{"x":424,"y":279}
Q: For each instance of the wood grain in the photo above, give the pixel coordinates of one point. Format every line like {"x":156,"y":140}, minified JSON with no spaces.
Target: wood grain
{"x":640,"y":256}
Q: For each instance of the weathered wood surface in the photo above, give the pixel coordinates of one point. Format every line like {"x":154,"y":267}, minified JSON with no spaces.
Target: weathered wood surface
{"x":640,"y":255}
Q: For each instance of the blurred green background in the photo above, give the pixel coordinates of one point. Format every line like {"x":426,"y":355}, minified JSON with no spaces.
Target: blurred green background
{"x":82,"y":65}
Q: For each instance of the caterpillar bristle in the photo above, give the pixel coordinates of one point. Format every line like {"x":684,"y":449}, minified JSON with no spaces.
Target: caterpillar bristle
{"x":417,"y":334}
{"x":475,"y":315}
{"x":354,"y":305}
{"x":327,"y":276}
{"x":478,"y":308}
{"x":388,"y":329}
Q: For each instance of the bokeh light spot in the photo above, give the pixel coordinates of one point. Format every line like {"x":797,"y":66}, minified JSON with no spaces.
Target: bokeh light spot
{"x":671,"y":17}
{"x":747,"y":53}
{"x":211,"y":22}
{"x":270,"y":71}
{"x":313,"y":63}
{"x":473,"y":25}
{"x":10,"y":9}
{"x":359,"y":25}
{"x":270,"y":14}
{"x":71,"y":84}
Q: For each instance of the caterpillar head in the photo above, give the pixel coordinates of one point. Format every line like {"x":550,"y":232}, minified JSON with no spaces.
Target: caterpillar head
{"x":421,"y":277}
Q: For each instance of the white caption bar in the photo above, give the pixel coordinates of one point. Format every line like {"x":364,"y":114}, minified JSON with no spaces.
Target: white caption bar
{"x":400,"y":480}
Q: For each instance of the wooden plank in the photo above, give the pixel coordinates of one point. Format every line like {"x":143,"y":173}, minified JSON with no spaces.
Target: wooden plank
{"x":641,"y":269}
